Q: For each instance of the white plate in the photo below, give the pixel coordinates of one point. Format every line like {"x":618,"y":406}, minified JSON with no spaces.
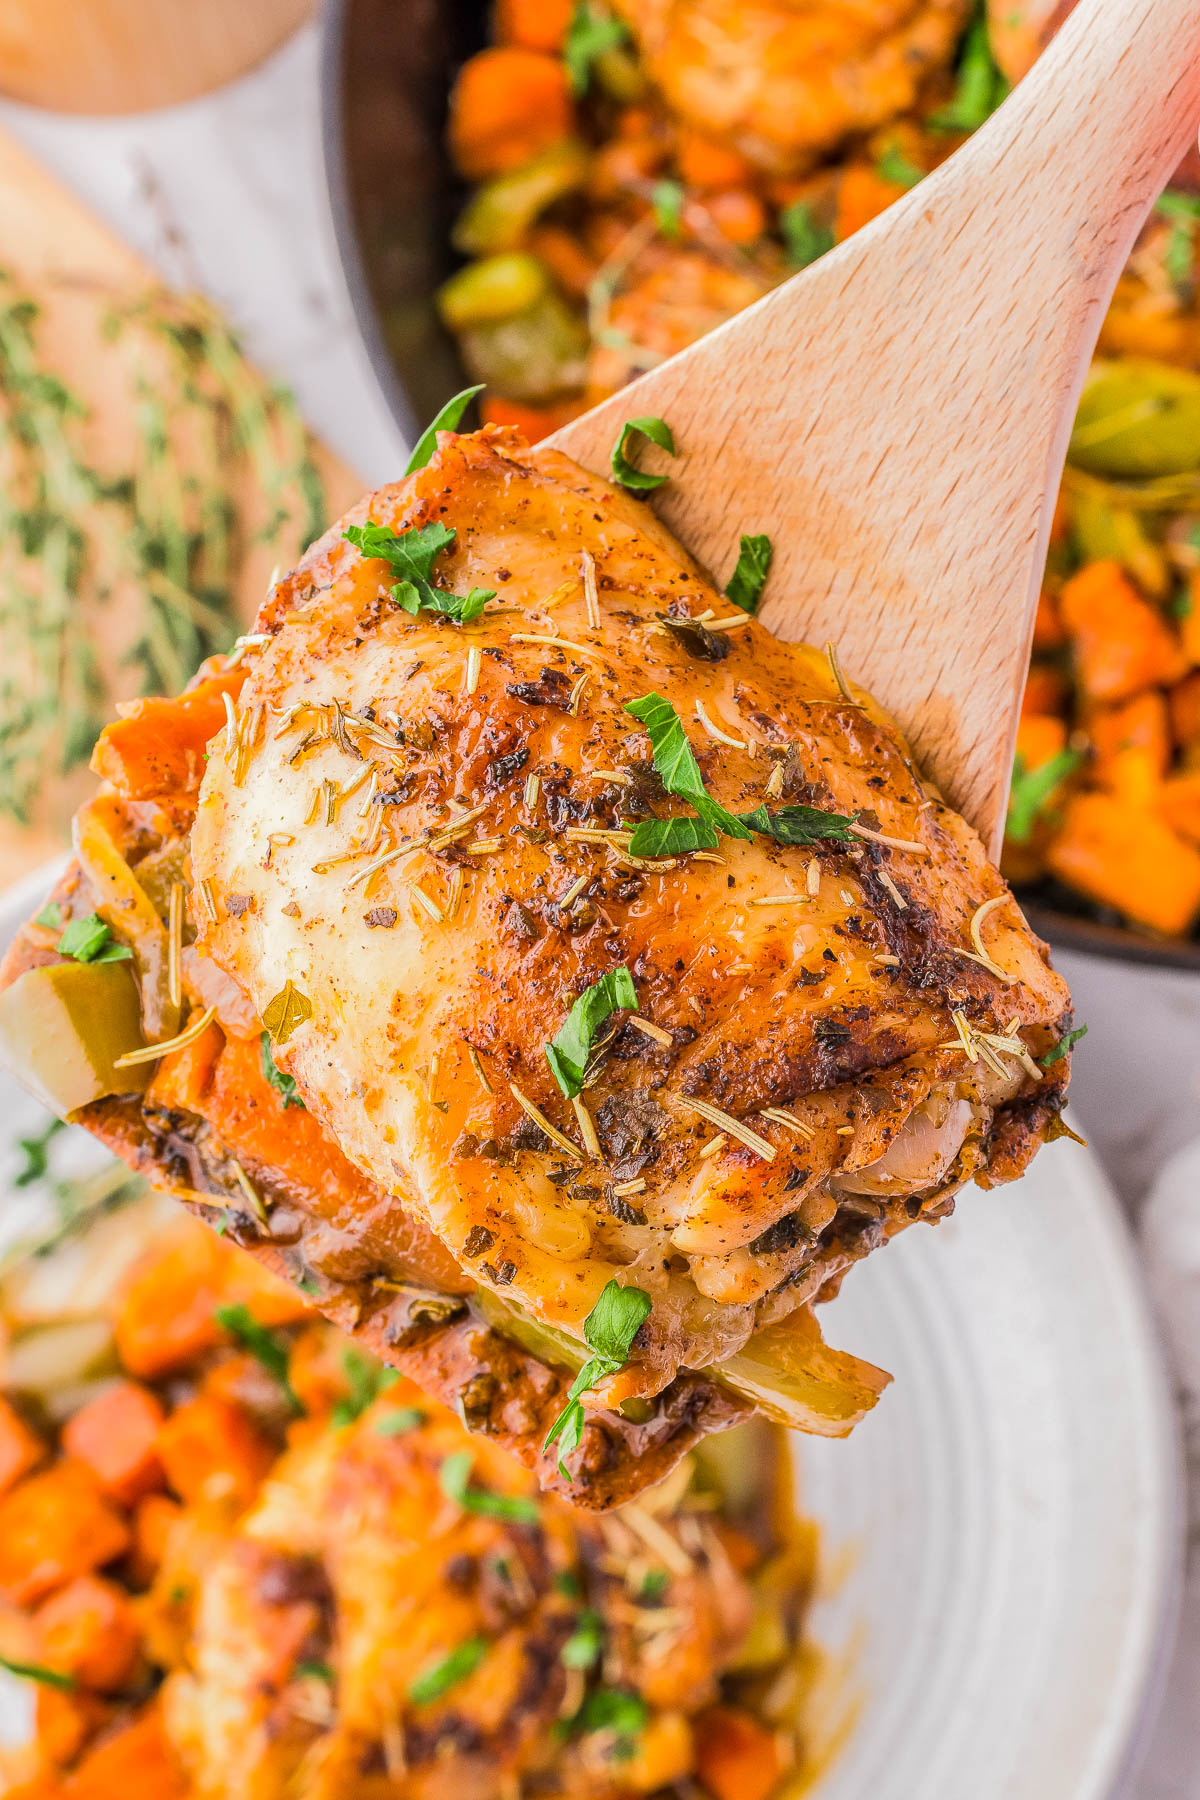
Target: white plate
{"x":1008,"y":1521}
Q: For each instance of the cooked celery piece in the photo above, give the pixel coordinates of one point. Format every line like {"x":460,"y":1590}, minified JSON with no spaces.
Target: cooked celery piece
{"x":793,"y":1377}
{"x":497,"y":287}
{"x":1137,"y":419}
{"x":59,"y":1357}
{"x":534,"y":357}
{"x":62,"y":1028}
{"x":501,"y":211}
{"x":540,"y":1340}
{"x":1104,"y":532}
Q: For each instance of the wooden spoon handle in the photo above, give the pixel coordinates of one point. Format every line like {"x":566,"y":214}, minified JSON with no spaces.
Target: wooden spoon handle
{"x":896,"y":418}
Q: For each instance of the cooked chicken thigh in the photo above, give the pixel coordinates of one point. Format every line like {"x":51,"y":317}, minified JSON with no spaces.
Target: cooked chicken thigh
{"x":412,"y":853}
{"x":786,"y":81}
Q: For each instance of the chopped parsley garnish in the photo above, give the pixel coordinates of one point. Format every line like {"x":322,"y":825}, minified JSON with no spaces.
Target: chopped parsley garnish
{"x":447,"y":420}
{"x":672,"y":837}
{"x":90,"y":940}
{"x":455,"y":1479}
{"x":405,"y":1418}
{"x":266,"y":1347}
{"x":656,"y":431}
{"x":51,"y":915}
{"x":680,"y":775}
{"x":667,"y":198}
{"x":582,"y":1649}
{"x":286,"y":1012}
{"x":55,"y":1678}
{"x":609,"y":1331}
{"x":1033,"y":789}
{"x":313,"y":1670}
{"x":1180,"y":257}
{"x":980,"y":85}
{"x":1063,"y":1045}
{"x":800,"y":824}
{"x":572,"y":1045}
{"x":805,"y":238}
{"x":655,"y":1583}
{"x":412,"y":555}
{"x":745,"y":585}
{"x":437,"y":1678}
{"x":616,"y":1710}
{"x":591,"y":34}
{"x":567,"y":1582}
{"x":366,"y":1380}
{"x":895,"y":167}
{"x":284,"y":1085}
{"x":36,"y":1151}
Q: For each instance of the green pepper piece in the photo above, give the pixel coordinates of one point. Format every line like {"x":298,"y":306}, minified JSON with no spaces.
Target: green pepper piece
{"x":498,"y":287}
{"x":1137,"y":419}
{"x":63,"y":1025}
{"x":501,"y":211}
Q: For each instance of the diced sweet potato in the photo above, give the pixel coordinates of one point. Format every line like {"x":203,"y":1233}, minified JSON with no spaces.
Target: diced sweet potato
{"x":533,"y":24}
{"x":153,"y":1520}
{"x":1183,"y":704}
{"x":1045,"y":690}
{"x":1132,"y":744}
{"x":1048,"y":633}
{"x":862,"y":195}
{"x":165,"y":1313}
{"x":508,"y":103}
{"x":132,"y":1760}
{"x":116,"y":1436}
{"x":1121,"y":643}
{"x":1129,"y":860}
{"x":737,"y":1758}
{"x":157,"y":746}
{"x":65,"y":1721}
{"x":706,"y":164}
{"x":1039,"y":737}
{"x":89,"y":1630}
{"x":21,"y":1449}
{"x":1179,"y":803}
{"x":53,"y":1527}
{"x":533,"y":422}
{"x":211,"y":1449}
{"x":1189,"y":624}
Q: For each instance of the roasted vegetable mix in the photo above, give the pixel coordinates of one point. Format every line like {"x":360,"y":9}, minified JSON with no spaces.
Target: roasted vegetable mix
{"x":238,"y":1556}
{"x":645,"y":172}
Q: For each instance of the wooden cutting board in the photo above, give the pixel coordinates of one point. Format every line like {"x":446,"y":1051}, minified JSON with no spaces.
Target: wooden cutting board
{"x":76,"y":270}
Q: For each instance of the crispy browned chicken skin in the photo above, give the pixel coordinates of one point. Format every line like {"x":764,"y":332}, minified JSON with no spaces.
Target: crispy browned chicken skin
{"x":423,"y":829}
{"x":823,"y":982}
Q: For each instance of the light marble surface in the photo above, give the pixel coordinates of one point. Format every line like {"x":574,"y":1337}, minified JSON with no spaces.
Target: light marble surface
{"x":227,"y":193}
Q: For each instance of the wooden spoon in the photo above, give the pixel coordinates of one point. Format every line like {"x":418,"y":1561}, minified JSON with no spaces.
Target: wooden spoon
{"x":896,"y":417}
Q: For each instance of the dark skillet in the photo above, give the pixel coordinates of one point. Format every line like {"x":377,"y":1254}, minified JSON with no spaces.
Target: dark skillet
{"x":386,"y":71}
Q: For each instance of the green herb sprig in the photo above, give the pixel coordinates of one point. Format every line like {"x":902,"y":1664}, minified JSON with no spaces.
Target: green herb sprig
{"x":609,"y":1331}
{"x":54,"y":1678}
{"x":412,"y":555}
{"x":980,"y":85}
{"x":448,"y":419}
{"x":266,"y":1347}
{"x":746,"y":584}
{"x":1033,"y":789}
{"x":283,"y":1083}
{"x":656,"y":431}
{"x":1064,"y":1044}
{"x":805,"y":238}
{"x":90,"y":941}
{"x":455,"y":1479}
{"x":680,"y":775}
{"x":591,"y":34}
{"x":437,"y":1678}
{"x":571,"y":1048}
